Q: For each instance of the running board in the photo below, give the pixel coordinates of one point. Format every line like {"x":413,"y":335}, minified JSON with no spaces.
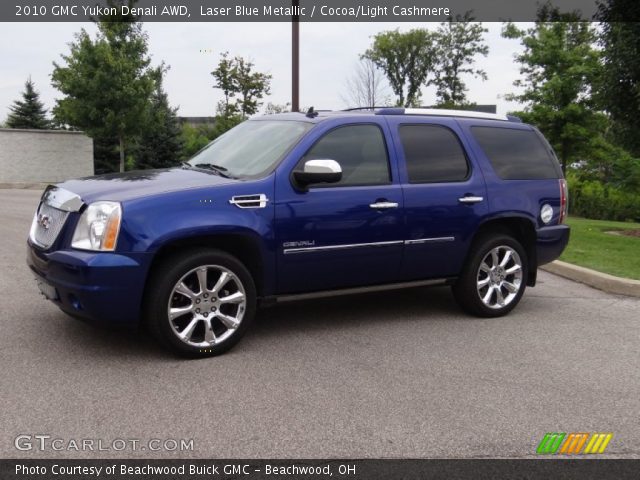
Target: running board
{"x":351,"y":291}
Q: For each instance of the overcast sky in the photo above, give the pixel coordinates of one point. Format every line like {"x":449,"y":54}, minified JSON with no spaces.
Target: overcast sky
{"x":328,"y":55}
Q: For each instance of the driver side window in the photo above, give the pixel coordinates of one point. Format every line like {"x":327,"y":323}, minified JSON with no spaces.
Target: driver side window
{"x":359,"y":149}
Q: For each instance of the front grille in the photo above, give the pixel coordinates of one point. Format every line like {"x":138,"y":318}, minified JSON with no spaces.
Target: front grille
{"x":47,"y":224}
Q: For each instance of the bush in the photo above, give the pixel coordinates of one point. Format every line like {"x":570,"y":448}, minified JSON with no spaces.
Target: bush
{"x":592,"y":199}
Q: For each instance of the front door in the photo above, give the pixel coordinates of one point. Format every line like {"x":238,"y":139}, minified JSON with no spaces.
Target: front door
{"x":347,"y":233}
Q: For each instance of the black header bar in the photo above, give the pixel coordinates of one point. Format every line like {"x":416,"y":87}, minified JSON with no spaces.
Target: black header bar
{"x":282,"y":10}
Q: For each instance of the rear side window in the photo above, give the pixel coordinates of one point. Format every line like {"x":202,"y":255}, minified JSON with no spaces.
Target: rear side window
{"x":433,"y":154}
{"x":361,"y":152}
{"x":516,"y":154}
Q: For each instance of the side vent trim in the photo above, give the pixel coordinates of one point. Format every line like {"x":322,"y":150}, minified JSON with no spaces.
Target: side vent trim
{"x":250,"y":201}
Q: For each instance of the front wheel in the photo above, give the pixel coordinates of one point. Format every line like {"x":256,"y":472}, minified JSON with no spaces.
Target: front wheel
{"x":494,"y":280}
{"x":200,"y":303}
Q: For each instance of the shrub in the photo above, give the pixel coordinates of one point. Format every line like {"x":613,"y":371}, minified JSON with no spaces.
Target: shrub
{"x":592,"y":199}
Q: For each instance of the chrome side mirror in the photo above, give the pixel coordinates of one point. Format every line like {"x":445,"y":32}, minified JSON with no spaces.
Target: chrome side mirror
{"x":318,"y":171}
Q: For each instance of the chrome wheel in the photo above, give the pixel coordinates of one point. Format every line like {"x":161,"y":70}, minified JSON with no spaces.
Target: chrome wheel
{"x":499,"y":277}
{"x":206,"y":306}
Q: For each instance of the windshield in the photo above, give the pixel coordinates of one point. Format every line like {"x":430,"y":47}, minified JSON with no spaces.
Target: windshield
{"x":250,"y":149}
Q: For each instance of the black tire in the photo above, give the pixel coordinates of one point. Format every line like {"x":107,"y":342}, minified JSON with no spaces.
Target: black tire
{"x":160,"y":296}
{"x":466,"y":290}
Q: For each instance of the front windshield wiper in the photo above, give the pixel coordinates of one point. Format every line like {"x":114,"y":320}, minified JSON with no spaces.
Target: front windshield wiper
{"x":220,"y":170}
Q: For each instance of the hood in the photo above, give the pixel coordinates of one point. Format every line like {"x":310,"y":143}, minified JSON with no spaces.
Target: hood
{"x":129,"y":185}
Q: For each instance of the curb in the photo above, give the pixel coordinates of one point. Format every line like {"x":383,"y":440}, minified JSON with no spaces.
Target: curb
{"x":601,"y":281}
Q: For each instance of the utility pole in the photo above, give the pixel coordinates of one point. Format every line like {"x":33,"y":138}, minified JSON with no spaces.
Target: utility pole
{"x":295,"y":57}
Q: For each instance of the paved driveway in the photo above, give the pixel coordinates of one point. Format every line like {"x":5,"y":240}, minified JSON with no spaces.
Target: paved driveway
{"x":397,"y":374}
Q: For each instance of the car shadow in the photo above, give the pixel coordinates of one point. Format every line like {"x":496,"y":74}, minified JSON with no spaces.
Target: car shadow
{"x":349,"y":311}
{"x":286,"y":319}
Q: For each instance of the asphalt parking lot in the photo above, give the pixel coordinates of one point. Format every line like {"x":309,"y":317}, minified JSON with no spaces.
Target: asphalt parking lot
{"x":400,"y":374}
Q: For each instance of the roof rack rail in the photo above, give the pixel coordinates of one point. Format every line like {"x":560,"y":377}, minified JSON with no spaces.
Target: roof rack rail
{"x":452,"y":113}
{"x":441,"y":112}
{"x":355,"y":109}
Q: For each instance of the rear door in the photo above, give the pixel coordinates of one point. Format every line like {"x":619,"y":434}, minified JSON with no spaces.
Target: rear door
{"x":345,"y":234}
{"x":444,"y":195}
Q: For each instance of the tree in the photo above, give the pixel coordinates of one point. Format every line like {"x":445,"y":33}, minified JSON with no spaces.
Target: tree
{"x":620,"y":90}
{"x":107,"y":81}
{"x":243,"y":88}
{"x":559,"y":66}
{"x":457,"y":43}
{"x":273,"y":108}
{"x":406,"y":58}
{"x":28,"y":112}
{"x":160,"y":144}
{"x":365,"y":88}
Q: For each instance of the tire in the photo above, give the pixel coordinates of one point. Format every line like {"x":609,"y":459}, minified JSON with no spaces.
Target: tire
{"x":507,"y":280}
{"x":202,"y":323}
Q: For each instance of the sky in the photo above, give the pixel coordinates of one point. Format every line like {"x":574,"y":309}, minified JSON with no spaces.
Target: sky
{"x":328,"y":56}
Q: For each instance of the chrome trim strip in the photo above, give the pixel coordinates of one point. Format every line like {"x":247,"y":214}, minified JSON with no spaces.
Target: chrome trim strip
{"x":419,"y":241}
{"x":61,"y":199}
{"x":289,"y":251}
{"x":355,"y":290}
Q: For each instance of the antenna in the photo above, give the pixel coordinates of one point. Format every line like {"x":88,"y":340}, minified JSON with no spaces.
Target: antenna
{"x":311,"y":113}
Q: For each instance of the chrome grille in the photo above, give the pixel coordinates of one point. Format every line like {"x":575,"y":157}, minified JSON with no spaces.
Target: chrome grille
{"x":47,"y":224}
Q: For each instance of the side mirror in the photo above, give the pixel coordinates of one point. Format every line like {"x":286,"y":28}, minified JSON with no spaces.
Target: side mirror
{"x":318,"y":171}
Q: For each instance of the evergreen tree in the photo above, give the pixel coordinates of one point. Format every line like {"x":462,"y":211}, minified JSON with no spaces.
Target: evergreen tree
{"x":160,"y":144}
{"x":28,"y":112}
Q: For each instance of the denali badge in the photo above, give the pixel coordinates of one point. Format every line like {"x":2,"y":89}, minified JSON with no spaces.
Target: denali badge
{"x":44,"y":221}
{"x":302,"y":243}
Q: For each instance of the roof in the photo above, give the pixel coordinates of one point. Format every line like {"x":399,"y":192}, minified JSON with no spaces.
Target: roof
{"x":320,"y":115}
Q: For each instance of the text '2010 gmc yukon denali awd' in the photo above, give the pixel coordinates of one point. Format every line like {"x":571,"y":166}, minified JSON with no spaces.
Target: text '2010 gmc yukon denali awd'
{"x":292,"y":204}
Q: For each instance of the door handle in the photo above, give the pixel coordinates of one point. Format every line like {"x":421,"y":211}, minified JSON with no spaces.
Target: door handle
{"x":470,"y":199}
{"x":383,"y":205}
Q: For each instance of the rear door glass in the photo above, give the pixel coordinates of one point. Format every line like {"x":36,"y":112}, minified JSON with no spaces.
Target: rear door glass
{"x":517,"y":154}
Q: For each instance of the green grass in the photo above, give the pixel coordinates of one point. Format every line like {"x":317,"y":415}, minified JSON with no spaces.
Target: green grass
{"x":591,"y":247}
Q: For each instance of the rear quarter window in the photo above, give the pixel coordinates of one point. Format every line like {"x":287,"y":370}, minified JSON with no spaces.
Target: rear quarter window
{"x":517,"y":154}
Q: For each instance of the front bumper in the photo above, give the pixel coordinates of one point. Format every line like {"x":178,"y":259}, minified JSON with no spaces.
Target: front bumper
{"x":551,"y":242}
{"x":99,"y":287}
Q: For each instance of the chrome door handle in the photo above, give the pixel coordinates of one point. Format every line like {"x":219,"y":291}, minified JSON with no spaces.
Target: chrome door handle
{"x":470,"y":199}
{"x":383,"y":205}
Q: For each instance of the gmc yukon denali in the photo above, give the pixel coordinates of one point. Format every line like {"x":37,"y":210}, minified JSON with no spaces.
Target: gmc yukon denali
{"x":295,"y":204}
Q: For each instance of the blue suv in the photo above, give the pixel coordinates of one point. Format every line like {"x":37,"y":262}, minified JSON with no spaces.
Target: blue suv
{"x":283,"y":206}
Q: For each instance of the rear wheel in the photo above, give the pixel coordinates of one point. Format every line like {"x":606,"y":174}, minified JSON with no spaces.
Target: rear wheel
{"x":200,"y":303}
{"x":494,"y":280}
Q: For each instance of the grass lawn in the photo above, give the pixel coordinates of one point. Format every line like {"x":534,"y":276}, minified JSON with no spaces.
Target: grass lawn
{"x":589,"y":246}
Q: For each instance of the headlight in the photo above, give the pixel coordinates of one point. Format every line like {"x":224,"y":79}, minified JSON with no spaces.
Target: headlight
{"x":98,"y":227}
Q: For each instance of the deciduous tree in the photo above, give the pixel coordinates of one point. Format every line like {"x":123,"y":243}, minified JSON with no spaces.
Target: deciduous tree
{"x":559,"y":66}
{"x":366,"y":87}
{"x":457,"y":44}
{"x":242,"y":86}
{"x":620,"y":90}
{"x":406,"y":58}
{"x":106,"y":81}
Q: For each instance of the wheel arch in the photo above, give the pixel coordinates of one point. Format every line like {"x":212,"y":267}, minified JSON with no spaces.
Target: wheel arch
{"x":522,"y":228}
{"x":244,"y":246}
